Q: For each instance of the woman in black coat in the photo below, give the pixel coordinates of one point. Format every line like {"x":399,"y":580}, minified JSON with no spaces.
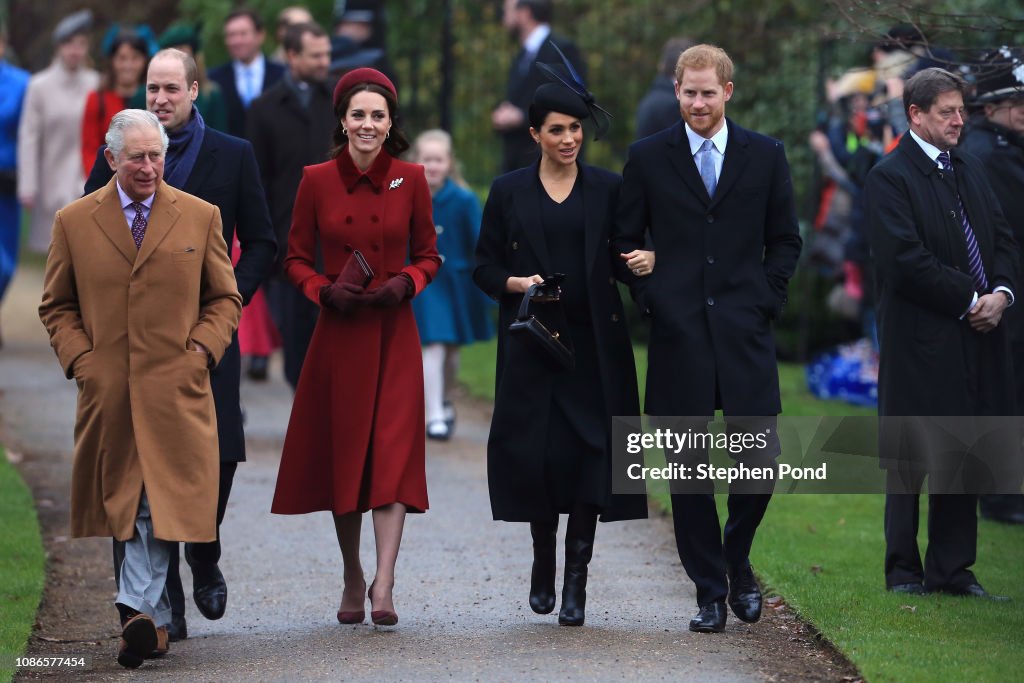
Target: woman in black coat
{"x":548,"y":452}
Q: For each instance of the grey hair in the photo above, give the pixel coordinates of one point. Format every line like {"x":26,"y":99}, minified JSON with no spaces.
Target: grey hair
{"x":131,"y":118}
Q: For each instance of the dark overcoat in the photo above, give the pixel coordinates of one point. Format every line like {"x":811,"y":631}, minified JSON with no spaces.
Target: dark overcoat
{"x":723,"y":265}
{"x":932,"y":362}
{"x":512,"y":243}
{"x":225,"y":175}
{"x":1001,"y":152}
{"x":287,"y":137}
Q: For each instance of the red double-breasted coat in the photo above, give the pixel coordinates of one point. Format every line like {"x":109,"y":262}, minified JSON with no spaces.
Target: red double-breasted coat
{"x":355,"y":438}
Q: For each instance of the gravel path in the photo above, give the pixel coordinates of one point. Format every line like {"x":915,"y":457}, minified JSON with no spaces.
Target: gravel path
{"x":462,"y":579}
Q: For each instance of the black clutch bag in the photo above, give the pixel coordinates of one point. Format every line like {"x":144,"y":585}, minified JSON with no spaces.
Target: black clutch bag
{"x":547,"y":341}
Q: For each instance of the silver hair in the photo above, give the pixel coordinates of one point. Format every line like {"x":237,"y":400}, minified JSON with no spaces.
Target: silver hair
{"x":131,"y":118}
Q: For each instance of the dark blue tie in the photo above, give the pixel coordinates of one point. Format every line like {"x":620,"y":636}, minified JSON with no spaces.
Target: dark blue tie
{"x":973,"y":253}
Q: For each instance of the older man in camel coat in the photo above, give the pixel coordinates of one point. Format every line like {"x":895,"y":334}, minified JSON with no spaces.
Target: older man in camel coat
{"x":140,"y":302}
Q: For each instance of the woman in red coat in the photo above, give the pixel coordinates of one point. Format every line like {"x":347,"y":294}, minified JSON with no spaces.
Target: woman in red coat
{"x":127,"y":52}
{"x":355,"y":439}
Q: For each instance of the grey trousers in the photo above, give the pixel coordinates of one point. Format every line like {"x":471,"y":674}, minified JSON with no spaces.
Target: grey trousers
{"x":144,"y":569}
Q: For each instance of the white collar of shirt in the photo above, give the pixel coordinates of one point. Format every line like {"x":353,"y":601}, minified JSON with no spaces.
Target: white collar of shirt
{"x":256,"y":67}
{"x":128,"y":209}
{"x":719,"y":139}
{"x":536,"y":38}
{"x":931,"y":150}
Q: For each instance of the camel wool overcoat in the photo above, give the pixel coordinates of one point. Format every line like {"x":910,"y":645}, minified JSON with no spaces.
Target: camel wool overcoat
{"x":123,"y":322}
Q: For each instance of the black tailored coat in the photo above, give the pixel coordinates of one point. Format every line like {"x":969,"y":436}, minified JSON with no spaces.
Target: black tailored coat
{"x":722,"y":271}
{"x":1001,"y":152}
{"x":224,"y":76}
{"x":225,"y":175}
{"x":932,"y":362}
{"x":286,"y":137}
{"x":519,"y":148}
{"x":512,"y":243}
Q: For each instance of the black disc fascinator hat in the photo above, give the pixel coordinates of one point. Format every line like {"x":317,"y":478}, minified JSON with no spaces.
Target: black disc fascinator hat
{"x":567,"y":94}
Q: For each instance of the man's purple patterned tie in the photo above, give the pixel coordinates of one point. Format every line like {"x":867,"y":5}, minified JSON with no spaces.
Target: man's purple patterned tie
{"x":973,"y":254}
{"x":138,"y":224}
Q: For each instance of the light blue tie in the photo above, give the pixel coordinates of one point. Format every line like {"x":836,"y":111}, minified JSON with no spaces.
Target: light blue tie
{"x":249,"y":90}
{"x":707,"y":167}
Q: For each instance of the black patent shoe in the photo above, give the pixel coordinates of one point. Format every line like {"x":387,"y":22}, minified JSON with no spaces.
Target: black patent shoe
{"x":912,"y":588}
{"x":744,"y":594}
{"x":710,"y":618}
{"x":177,"y":630}
{"x":209,"y":589}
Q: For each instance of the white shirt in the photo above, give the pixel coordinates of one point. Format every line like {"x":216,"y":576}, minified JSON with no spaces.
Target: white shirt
{"x":129,"y":210}
{"x":719,"y":140}
{"x":536,"y":38}
{"x":249,"y":77}
{"x":933,"y":153}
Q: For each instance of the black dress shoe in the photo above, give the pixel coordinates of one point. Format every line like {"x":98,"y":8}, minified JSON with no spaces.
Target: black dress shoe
{"x":258,"y":368}
{"x":744,"y":594}
{"x":710,"y":618}
{"x":913,"y":588}
{"x":1005,"y":508}
{"x":177,"y":629}
{"x":974,"y":590}
{"x":209,"y":589}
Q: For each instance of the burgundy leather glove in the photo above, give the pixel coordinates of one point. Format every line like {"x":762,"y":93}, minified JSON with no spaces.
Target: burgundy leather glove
{"x":391,"y":293}
{"x":344,"y":298}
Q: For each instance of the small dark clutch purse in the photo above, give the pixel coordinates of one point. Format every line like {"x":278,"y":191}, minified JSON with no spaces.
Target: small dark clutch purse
{"x":551,"y":344}
{"x":356,"y":271}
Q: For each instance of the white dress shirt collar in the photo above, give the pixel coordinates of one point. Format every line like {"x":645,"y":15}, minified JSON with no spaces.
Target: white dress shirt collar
{"x":536,"y":38}
{"x":931,"y":150}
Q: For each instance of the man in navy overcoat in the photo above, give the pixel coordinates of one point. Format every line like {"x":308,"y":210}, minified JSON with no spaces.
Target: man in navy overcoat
{"x":717,"y":202}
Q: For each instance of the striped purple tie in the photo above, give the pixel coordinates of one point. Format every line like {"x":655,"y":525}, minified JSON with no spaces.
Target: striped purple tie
{"x":973,"y":254}
{"x":138,"y":224}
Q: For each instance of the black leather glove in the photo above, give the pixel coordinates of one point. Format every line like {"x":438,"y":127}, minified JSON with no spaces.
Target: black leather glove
{"x":344,"y":298}
{"x":391,"y":293}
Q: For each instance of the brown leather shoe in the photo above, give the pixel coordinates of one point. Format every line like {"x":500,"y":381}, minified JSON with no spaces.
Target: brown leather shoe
{"x":163,"y":643}
{"x":138,"y":639}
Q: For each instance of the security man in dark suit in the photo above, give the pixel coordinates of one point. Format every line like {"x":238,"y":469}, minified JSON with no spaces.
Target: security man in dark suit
{"x":996,"y":136}
{"x":221,"y":170}
{"x":947,"y":266}
{"x":717,"y":202}
{"x":290,"y":127}
{"x":529,"y":22}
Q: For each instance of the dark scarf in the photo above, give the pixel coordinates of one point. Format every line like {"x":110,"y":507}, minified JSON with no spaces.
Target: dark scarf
{"x":183,"y":150}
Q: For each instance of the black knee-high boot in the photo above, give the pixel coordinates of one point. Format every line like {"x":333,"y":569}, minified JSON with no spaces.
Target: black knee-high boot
{"x":579,"y":548}
{"x":542,"y":578}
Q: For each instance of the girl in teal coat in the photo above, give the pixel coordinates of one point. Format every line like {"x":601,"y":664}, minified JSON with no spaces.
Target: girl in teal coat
{"x":452,"y":311}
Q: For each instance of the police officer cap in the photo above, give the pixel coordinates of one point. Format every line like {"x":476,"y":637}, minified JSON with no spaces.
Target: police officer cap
{"x":1001,"y":76}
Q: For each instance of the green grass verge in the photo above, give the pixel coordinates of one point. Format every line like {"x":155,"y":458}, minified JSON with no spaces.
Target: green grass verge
{"x":22,"y":565}
{"x":824,"y":554}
